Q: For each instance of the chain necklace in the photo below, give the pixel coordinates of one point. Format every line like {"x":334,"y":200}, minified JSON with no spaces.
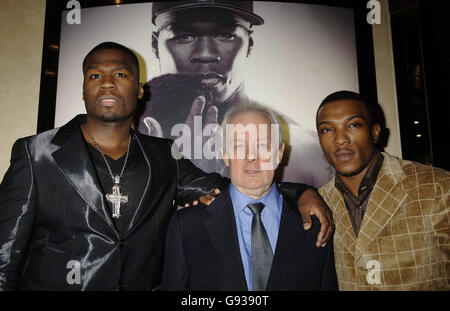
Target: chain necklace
{"x":116,"y":198}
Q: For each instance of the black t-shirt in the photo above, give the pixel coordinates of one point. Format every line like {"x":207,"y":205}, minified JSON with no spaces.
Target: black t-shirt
{"x":132,"y":183}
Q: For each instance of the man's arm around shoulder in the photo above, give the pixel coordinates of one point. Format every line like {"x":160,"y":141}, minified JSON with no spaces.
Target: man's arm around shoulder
{"x":309,"y":202}
{"x":192,"y":182}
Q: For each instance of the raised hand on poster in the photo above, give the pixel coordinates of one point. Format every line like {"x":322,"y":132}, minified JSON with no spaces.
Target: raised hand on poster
{"x":181,"y":108}
{"x":197,"y":109}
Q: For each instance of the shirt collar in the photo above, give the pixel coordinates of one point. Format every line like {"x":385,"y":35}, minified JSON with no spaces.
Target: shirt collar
{"x":240,"y":201}
{"x":369,"y":179}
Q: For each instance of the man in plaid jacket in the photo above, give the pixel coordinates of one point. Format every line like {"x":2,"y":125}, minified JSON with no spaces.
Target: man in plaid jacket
{"x":391,"y":215}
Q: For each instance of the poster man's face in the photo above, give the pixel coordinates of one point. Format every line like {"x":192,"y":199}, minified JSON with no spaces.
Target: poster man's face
{"x":216,"y":47}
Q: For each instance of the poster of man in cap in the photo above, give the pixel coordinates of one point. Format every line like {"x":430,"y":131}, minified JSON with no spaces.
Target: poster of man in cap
{"x":200,"y":58}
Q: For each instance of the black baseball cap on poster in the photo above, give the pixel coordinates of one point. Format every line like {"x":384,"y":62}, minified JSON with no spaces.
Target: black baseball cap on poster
{"x":242,"y":8}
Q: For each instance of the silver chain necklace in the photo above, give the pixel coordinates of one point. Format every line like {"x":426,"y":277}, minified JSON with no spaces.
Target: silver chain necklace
{"x":116,"y":198}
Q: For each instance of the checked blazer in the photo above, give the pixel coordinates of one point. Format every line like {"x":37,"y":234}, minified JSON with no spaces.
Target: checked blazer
{"x":405,"y":229}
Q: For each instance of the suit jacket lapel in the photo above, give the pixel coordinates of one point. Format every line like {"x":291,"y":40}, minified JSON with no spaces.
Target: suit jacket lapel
{"x":152,"y":189}
{"x":386,"y":197}
{"x":288,"y":244}
{"x":344,"y":234}
{"x":73,"y":159}
{"x":221,"y":227}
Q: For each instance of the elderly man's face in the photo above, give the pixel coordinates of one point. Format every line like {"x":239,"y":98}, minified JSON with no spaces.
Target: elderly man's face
{"x":252,"y":154}
{"x":216,"y":46}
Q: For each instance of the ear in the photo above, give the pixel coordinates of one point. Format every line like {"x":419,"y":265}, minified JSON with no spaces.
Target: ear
{"x":225,"y":158}
{"x":376,"y":129}
{"x":155,"y":44}
{"x":250,"y":45}
{"x":280,"y":153}
{"x":141,"y":90}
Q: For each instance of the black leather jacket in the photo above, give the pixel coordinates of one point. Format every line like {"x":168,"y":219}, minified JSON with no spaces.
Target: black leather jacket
{"x":53,"y":215}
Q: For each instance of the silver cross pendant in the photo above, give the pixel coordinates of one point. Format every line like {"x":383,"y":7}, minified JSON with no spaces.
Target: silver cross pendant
{"x":116,"y":198}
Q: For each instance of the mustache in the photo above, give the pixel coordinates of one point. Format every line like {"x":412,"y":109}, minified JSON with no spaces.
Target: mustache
{"x":342,"y":151}
{"x":108,"y":96}
{"x":199,"y":76}
{"x":211,"y":74}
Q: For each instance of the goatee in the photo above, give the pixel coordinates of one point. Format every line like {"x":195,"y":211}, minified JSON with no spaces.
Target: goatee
{"x":112,"y":118}
{"x":354,"y":173}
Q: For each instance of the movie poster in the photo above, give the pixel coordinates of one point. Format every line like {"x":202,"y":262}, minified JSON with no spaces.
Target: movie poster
{"x":288,"y":56}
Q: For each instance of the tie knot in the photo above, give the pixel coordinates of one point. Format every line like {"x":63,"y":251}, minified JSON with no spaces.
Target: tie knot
{"x":256,"y":207}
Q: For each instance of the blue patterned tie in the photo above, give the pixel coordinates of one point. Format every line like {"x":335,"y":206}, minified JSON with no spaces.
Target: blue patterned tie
{"x":262,"y":255}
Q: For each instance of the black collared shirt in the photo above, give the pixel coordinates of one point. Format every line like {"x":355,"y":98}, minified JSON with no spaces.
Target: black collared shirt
{"x":132,"y":183}
{"x":356,"y":206}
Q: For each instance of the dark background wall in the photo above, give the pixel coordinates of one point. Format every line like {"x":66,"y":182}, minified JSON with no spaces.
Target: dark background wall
{"x":420,"y":35}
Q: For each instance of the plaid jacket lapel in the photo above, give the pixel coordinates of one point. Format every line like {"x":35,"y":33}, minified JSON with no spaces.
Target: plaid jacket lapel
{"x":344,"y":234}
{"x":384,"y":201}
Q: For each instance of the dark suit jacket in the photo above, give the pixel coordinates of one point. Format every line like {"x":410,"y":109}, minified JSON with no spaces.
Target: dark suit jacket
{"x":52,"y":211}
{"x":202,"y":252}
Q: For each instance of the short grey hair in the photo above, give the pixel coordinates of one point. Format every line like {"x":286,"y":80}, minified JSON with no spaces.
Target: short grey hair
{"x":250,"y":107}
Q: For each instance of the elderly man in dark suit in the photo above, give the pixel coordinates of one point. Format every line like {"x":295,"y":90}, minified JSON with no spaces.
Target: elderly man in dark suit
{"x":250,"y":237}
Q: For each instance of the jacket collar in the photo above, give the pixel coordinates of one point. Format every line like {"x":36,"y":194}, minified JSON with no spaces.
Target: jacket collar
{"x":221,"y":227}
{"x":384,"y":201}
{"x":386,"y":198}
{"x":344,"y":233}
{"x":289,"y":244}
{"x":74,"y":160}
